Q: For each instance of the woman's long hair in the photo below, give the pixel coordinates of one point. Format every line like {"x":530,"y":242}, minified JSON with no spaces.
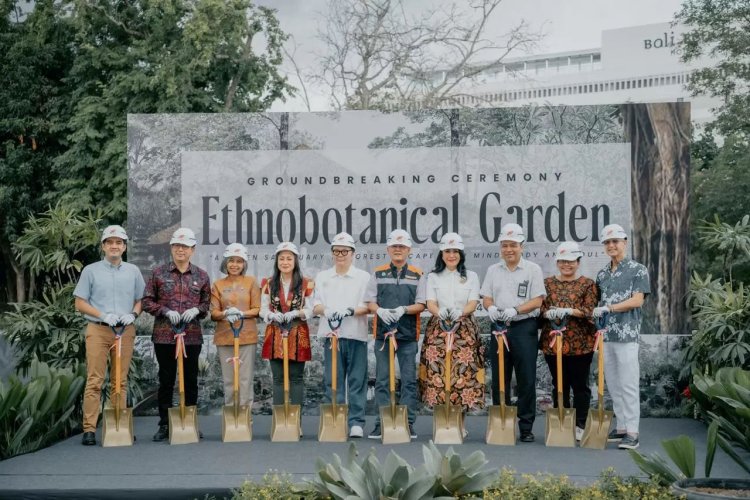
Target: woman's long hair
{"x":295,"y":287}
{"x":440,"y":265}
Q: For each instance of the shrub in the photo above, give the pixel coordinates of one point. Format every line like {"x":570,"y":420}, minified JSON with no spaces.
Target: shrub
{"x":37,"y":413}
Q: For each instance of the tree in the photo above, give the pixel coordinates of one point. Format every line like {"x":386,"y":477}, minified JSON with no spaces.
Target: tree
{"x":379,"y":54}
{"x":74,"y":69}
{"x":719,"y":28}
{"x":37,"y":55}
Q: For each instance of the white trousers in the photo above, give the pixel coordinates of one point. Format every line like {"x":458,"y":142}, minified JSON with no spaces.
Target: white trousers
{"x":247,"y":368}
{"x":622,"y":375}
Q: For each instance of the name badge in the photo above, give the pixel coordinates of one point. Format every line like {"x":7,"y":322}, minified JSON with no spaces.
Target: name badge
{"x":523,"y":288}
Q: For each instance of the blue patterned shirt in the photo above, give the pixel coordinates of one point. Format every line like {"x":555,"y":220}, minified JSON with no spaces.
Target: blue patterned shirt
{"x":629,"y":278}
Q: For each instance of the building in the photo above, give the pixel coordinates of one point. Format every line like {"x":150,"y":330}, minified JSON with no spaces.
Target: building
{"x":635,"y":64}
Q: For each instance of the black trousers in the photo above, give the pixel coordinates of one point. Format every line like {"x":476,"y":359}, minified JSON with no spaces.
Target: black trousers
{"x":296,"y":381}
{"x":575,"y":376}
{"x":523,"y":344}
{"x":165,"y":356}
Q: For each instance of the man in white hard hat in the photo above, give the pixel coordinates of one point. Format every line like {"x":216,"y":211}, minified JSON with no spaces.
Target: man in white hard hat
{"x":623,"y":285}
{"x":108,"y":294}
{"x":177,"y":293}
{"x":512,"y":293}
{"x":337,"y":290}
{"x":393,"y":294}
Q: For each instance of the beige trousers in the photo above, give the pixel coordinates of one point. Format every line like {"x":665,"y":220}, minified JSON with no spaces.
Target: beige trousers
{"x":100,"y":340}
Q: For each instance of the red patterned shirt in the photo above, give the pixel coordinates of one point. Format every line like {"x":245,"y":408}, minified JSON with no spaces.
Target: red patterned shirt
{"x":169,"y":289}
{"x":581,"y":294}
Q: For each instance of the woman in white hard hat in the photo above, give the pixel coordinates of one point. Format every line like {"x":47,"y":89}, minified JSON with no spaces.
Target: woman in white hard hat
{"x":573,"y":298}
{"x":233,"y":298}
{"x":452,"y":294}
{"x":287,"y":297}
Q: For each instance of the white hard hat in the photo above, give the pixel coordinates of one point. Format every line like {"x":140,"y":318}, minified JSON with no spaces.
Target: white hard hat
{"x":183,"y":236}
{"x":512,"y":232}
{"x":286,"y":246}
{"x":236,"y":250}
{"x":114,"y":232}
{"x":613,"y":232}
{"x":399,"y":237}
{"x":343,"y":240}
{"x":568,"y":250}
{"x":451,"y":240}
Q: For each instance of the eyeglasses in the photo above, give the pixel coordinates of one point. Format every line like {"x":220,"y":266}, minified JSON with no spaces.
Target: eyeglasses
{"x":342,"y":253}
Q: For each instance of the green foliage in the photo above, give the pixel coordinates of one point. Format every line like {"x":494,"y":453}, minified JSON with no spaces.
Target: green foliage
{"x":549,"y":487}
{"x":725,"y":399}
{"x":273,"y":486}
{"x":440,"y":475}
{"x":720,"y":308}
{"x":36,"y":413}
{"x":719,"y":29}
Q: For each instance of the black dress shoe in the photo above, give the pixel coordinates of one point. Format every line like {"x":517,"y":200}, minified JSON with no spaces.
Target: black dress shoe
{"x":200,"y":434}
{"x":89,"y":439}
{"x":162,"y":433}
{"x":527,"y":437}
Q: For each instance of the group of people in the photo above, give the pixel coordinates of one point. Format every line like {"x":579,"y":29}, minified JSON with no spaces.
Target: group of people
{"x":112,"y":293}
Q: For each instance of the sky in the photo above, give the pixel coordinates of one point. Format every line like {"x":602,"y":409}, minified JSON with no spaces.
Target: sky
{"x":567,"y":24}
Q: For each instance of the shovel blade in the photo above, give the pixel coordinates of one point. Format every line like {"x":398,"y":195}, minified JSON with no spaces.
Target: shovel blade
{"x":117,"y":430}
{"x":597,"y":430}
{"x":502,"y":430}
{"x":239,"y":429}
{"x":394,"y":425}
{"x":183,"y":431}
{"x":559,"y":433}
{"x":333,"y":424}
{"x":447,"y":424}
{"x":285,"y":426}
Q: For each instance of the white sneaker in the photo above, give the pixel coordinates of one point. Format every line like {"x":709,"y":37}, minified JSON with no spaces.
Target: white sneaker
{"x":464,"y":433}
{"x":579,"y":433}
{"x":356,"y":432}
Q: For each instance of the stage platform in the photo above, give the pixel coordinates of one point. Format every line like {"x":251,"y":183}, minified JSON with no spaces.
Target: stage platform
{"x":158,"y":470}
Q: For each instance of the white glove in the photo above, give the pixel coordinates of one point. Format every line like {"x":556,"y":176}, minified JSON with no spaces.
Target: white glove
{"x":343,"y":313}
{"x":398,"y":312}
{"x":331,"y":314}
{"x":600,"y":311}
{"x":386,"y":315}
{"x":190,"y":314}
{"x":274,"y":317}
{"x":289,"y":316}
{"x":455,"y":314}
{"x":444,"y":313}
{"x":127,"y":319}
{"x":110,"y":319}
{"x":508,"y":314}
{"x":494,"y":313}
{"x":564,"y":312}
{"x":173,"y":317}
{"x":551,"y":313}
{"x":232,"y":311}
{"x":233,"y":317}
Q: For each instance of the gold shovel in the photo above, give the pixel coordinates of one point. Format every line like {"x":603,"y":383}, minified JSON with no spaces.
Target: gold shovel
{"x":285,"y":426}
{"x":236,"y":426}
{"x":117,"y":427}
{"x":183,"y":421}
{"x":333,"y":417}
{"x":598,"y":421}
{"x":394,"y":419}
{"x":560,"y":429}
{"x":501,"y":424}
{"x":447,"y":420}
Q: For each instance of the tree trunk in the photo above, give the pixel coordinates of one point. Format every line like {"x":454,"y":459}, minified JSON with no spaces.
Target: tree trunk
{"x":659,"y":135}
{"x":16,"y":282}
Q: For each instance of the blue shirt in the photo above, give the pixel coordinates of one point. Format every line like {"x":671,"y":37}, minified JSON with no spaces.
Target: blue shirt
{"x":629,"y":278}
{"x":109,"y":288}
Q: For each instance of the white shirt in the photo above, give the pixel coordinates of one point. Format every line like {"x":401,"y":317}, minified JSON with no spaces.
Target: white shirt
{"x":340,"y":291}
{"x":512,"y":288}
{"x":450,"y":290}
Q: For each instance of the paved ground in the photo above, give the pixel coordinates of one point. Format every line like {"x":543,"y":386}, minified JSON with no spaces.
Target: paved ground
{"x":70,"y":469}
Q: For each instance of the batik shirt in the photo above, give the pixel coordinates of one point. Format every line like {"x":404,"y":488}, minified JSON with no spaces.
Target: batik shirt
{"x":629,"y":278}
